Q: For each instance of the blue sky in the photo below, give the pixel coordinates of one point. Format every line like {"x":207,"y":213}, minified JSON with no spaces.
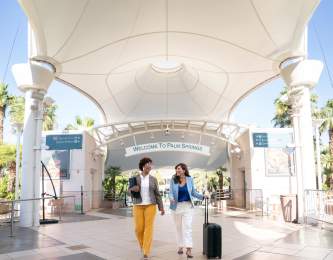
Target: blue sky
{"x":256,"y":109}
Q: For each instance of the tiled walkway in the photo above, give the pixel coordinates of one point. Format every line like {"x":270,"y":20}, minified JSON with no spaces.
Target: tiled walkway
{"x":110,"y":235}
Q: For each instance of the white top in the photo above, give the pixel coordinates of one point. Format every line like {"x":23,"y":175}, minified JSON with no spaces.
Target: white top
{"x":145,"y":190}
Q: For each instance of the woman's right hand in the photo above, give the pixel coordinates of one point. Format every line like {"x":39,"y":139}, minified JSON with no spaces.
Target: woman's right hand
{"x":135,"y":188}
{"x":172,"y":201}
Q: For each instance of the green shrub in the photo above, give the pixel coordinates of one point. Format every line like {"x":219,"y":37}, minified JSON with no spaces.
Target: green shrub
{"x":4,"y":188}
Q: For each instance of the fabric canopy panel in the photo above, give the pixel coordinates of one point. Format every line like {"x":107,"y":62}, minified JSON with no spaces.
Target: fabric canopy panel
{"x":161,"y":59}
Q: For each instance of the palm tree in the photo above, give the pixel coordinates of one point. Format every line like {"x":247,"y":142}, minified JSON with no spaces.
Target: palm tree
{"x":327,"y":125}
{"x":7,"y":155}
{"x":4,"y":102}
{"x":49,"y":117}
{"x":16,"y":109}
{"x":81,"y":124}
{"x":7,"y":161}
{"x":212,"y":184}
{"x":282,"y":116}
{"x":109,"y":182}
{"x":327,"y":164}
{"x":220,"y":172}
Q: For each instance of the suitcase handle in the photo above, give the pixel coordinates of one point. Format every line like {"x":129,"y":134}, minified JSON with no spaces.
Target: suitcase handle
{"x":206,"y":210}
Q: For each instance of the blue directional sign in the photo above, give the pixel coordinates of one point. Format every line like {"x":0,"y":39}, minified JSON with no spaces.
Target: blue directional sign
{"x":272,"y":140}
{"x":260,"y":139}
{"x":64,"y":142}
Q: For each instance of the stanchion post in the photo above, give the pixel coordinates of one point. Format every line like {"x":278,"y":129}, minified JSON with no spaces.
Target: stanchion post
{"x":12,"y":220}
{"x":60,"y":209}
{"x":82,"y":200}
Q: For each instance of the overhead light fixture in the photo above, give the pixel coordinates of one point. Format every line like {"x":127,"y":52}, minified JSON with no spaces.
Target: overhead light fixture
{"x":237,"y":150}
{"x":167,"y":130}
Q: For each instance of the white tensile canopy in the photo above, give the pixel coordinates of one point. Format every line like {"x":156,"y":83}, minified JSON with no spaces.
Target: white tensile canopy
{"x":157,"y":65}
{"x":161,"y":59}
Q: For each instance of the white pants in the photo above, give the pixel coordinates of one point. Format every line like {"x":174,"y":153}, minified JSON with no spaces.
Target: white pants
{"x":183,"y":220}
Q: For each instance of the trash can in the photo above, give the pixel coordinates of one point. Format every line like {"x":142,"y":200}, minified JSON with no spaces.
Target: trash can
{"x":289,"y":207}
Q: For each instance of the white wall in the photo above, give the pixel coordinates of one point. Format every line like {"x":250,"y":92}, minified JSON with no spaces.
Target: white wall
{"x":86,"y":170}
{"x":253,"y":161}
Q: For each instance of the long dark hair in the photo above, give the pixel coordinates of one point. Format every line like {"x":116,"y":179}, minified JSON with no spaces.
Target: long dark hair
{"x":176,"y":178}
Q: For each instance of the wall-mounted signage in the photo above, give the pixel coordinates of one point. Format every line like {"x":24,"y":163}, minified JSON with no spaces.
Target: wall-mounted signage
{"x":272,"y":140}
{"x":64,"y":142}
{"x":260,"y":139}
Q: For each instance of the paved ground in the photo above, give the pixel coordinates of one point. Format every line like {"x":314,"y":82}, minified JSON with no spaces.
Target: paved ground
{"x":108,"y":234}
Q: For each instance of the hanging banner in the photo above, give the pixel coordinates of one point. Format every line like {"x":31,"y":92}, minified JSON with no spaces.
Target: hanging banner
{"x":167,"y":147}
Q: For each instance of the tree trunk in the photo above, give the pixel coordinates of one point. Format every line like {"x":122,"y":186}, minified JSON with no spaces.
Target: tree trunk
{"x":2,"y":115}
{"x":221,"y":181}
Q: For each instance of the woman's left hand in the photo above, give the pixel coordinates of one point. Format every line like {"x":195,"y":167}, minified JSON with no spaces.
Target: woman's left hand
{"x":162,"y":212}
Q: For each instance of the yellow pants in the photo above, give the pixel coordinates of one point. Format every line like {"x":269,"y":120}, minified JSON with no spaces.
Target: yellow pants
{"x":144,"y":216}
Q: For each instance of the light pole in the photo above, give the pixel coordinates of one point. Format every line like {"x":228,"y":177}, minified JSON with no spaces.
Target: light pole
{"x":18,"y":127}
{"x":317,"y":122}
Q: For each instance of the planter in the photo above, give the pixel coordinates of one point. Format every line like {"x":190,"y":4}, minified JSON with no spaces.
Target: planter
{"x":106,"y":204}
{"x":4,"y":208}
{"x":114,"y":204}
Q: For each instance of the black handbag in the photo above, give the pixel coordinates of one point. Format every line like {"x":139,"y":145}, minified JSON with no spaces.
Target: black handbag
{"x":131,"y":183}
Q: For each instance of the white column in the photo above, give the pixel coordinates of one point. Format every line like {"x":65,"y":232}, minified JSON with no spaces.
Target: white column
{"x":300,"y":77}
{"x":34,"y":79}
{"x":18,"y":130}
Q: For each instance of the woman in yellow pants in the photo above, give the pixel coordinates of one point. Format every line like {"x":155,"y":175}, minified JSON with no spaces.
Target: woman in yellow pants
{"x":144,"y":209}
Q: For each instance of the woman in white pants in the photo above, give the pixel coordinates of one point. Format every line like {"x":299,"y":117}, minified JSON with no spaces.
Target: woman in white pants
{"x":182,"y":192}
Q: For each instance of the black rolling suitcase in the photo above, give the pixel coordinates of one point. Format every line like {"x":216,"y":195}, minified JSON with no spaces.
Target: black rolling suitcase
{"x":212,"y":239}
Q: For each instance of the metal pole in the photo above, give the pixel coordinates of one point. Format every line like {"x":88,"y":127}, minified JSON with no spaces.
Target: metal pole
{"x":289,"y":173}
{"x":126,"y":187}
{"x":82,"y":200}
{"x":60,"y":208}
{"x":43,"y":193}
{"x":319,"y":178}
{"x":18,"y":130}
{"x":12,"y":220}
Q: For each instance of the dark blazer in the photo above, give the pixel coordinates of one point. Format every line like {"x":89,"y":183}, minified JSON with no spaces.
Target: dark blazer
{"x":154,"y":193}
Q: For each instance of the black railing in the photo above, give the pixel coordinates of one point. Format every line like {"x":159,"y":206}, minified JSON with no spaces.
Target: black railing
{"x":44,"y":169}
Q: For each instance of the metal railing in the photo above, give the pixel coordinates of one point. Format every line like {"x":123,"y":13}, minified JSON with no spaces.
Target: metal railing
{"x":318,"y":205}
{"x":86,"y":200}
{"x":12,"y":209}
{"x":249,"y":199}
